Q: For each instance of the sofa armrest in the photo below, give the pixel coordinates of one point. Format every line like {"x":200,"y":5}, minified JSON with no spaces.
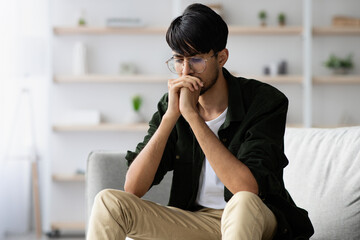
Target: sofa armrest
{"x":104,"y":170}
{"x":108,"y":169}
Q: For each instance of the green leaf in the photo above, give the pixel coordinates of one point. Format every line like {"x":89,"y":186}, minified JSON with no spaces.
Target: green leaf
{"x":136,"y":101}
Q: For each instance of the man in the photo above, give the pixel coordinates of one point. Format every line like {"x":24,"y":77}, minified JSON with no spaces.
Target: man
{"x":223,"y":139}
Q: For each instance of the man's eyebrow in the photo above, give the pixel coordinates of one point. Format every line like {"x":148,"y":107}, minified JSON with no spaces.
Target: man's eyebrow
{"x":178,"y":55}
{"x":182,"y":56}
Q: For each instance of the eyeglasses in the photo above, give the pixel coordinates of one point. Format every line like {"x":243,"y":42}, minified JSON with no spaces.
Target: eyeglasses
{"x":197,"y":64}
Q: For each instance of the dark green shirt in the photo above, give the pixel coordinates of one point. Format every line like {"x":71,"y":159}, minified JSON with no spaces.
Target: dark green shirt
{"x":254,"y":133}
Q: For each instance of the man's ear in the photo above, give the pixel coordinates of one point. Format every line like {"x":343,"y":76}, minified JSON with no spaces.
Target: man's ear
{"x":223,"y":56}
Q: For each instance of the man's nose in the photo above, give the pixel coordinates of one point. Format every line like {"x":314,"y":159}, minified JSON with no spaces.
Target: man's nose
{"x":187,"y":68}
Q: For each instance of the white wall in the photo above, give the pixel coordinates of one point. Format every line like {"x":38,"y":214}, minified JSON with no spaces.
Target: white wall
{"x":248,"y":55}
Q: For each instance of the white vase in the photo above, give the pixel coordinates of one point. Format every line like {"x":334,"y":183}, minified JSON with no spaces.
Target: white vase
{"x":136,"y":117}
{"x":80,"y":59}
{"x":274,"y":69}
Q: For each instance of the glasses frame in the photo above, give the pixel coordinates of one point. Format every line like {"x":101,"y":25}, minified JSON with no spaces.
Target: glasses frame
{"x":187,"y":60}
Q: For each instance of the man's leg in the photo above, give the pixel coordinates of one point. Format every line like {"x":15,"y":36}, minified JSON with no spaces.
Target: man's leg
{"x":247,"y":217}
{"x":117,"y":214}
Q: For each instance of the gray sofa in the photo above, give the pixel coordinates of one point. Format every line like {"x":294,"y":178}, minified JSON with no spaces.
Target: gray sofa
{"x":323,"y":177}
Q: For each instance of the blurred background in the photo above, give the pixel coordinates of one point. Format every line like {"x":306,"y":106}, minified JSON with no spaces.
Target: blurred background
{"x":83,"y":75}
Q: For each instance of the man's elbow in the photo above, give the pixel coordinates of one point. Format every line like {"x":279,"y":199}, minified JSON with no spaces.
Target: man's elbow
{"x":252,"y":187}
{"x":133,"y":190}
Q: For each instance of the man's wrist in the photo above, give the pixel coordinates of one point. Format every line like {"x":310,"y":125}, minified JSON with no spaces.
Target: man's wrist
{"x":171,"y":117}
{"x":191,"y":116}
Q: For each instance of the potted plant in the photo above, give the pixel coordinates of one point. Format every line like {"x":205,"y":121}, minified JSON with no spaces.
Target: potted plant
{"x":81,"y":20}
{"x":136,"y":116}
{"x":136,"y":102}
{"x":282,"y":19}
{"x":262,"y":16}
{"x":339,"y":65}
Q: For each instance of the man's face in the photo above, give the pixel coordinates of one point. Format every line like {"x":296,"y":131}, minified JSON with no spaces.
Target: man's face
{"x":203,"y":66}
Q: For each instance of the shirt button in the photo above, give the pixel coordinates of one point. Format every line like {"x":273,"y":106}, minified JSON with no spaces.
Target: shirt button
{"x":224,"y":140}
{"x":177,"y":157}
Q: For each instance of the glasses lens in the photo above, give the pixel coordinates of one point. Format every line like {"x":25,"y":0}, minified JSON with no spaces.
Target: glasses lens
{"x":197,"y":64}
{"x":171,"y":65}
{"x":177,"y":65}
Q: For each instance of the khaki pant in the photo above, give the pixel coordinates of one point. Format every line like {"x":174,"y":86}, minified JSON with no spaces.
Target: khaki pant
{"x":117,"y":214}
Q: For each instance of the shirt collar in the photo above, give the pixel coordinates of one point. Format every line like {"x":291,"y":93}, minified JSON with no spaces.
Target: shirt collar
{"x":236,"y":109}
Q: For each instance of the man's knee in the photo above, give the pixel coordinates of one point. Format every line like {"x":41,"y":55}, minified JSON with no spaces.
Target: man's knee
{"x":242,"y":207}
{"x":103,"y":194}
{"x":106,"y":217}
{"x":246,"y":210}
{"x":108,"y":197}
{"x":244,"y":200}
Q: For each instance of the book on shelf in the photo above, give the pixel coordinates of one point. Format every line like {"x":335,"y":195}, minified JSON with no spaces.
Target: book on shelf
{"x":343,"y":21}
{"x":124,"y":22}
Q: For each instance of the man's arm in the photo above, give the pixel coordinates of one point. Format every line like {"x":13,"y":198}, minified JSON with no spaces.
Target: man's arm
{"x":235,"y":175}
{"x":142,"y":170}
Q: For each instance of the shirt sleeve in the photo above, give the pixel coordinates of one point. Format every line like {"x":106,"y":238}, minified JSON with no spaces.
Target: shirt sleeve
{"x":166,"y":163}
{"x":262,"y":149}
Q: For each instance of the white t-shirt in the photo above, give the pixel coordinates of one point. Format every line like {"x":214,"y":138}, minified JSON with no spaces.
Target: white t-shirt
{"x":211,"y":189}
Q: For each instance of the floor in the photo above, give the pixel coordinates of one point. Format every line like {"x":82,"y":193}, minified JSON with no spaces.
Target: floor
{"x":32,"y":236}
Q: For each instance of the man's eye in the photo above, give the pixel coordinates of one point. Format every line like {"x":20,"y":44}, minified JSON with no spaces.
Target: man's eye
{"x":179,"y":61}
{"x":196,"y":60}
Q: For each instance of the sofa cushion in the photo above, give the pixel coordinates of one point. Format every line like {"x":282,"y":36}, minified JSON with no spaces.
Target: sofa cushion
{"x":323,"y":177}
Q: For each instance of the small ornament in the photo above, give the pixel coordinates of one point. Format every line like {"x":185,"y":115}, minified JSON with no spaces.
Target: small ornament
{"x":262,"y":17}
{"x":282,"y":19}
{"x":81,"y":20}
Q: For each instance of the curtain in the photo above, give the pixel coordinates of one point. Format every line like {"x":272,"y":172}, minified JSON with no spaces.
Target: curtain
{"x":24,"y":79}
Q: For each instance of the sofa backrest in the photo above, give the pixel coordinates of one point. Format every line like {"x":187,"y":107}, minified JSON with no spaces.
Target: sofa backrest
{"x":106,"y":169}
{"x":323,"y":177}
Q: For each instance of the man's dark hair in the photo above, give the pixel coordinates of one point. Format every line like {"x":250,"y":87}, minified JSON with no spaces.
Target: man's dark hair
{"x":198,"y":30}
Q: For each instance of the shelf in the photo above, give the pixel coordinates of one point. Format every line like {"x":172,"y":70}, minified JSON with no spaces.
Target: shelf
{"x":108,"y":30}
{"x":77,"y":226}
{"x":94,"y":78}
{"x":336,"y":126}
{"x":236,"y":30}
{"x":158,"y":79}
{"x":103,"y":127}
{"x":268,"y":30}
{"x":279,"y":79}
{"x":337,"y":79}
{"x":68,"y":177}
{"x":142,"y":127}
{"x":336,"y":31}
{"x":294,"y":125}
